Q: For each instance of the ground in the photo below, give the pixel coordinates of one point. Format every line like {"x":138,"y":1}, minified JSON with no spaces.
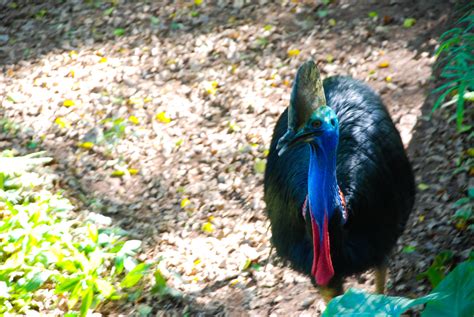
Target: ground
{"x":160,"y":115}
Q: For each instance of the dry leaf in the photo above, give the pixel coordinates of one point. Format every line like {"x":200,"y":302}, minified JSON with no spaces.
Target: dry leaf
{"x":68,"y":103}
{"x":86,"y":145}
{"x":163,"y":117}
{"x":294,"y":52}
{"x":133,"y":120}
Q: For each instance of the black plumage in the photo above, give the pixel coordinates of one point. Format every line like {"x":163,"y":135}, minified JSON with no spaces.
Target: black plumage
{"x":373,"y":173}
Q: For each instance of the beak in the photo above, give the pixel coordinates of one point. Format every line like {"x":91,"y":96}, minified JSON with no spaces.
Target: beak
{"x":290,"y":139}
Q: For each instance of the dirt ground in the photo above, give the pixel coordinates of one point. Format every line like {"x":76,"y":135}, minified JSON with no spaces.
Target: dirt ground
{"x":200,"y":88}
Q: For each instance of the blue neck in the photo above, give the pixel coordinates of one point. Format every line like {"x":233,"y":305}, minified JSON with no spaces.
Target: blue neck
{"x":323,"y":191}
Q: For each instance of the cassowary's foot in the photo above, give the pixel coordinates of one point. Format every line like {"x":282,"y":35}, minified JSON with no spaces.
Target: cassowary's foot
{"x":333,"y":289}
{"x":380,"y":275}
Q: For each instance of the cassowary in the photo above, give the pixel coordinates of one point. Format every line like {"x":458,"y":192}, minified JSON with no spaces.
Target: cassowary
{"x":338,"y":185}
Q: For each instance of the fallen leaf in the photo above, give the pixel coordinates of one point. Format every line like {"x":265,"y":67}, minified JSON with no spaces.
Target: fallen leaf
{"x":103,"y":60}
{"x":409,"y":22}
{"x":211,"y":87}
{"x":133,"y":171}
{"x":259,"y":166}
{"x":185,"y":202}
{"x":73,"y":54}
{"x":294,"y":52}
{"x":332,"y":22}
{"x":373,"y":14}
{"x":133,"y":120}
{"x":86,"y":145}
{"x":117,"y":173}
{"x":71,"y":73}
{"x":384,"y":64}
{"x":68,"y":103}
{"x":245,"y":264}
{"x":62,"y":123}
{"x":119,"y":31}
{"x":388,"y":79}
{"x":423,"y":186}
{"x":470,"y":152}
{"x":268,"y":27}
{"x":329,"y":58}
{"x":207,"y":227}
{"x":163,"y":117}
{"x":198,"y":2}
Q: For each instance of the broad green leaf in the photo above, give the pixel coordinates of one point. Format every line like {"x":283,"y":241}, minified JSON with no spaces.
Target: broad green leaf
{"x":87,"y":297}
{"x":455,"y":294}
{"x":135,"y":275}
{"x":160,"y":283}
{"x":36,"y":281}
{"x":358,"y":303}
{"x":67,"y":284}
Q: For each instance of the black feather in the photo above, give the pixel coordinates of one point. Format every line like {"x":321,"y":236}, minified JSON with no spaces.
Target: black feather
{"x":373,"y":173}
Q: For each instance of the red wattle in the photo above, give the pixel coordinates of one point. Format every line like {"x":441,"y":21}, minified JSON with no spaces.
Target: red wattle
{"x":322,"y":269}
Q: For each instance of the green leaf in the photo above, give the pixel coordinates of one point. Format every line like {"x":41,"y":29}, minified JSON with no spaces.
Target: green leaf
{"x":470,"y":192}
{"x":357,"y":303}
{"x":408,"y":23}
{"x":373,"y":14}
{"x":135,"y":275}
{"x":409,"y":249}
{"x":36,"y":281}
{"x":119,"y":31}
{"x":160,"y":283}
{"x":67,"y":285}
{"x":423,"y":186}
{"x":259,"y":166}
{"x":109,"y":11}
{"x":455,"y":294}
{"x":87,"y":298}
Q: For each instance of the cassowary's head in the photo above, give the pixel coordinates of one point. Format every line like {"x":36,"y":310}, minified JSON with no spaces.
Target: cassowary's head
{"x":312,"y":122}
{"x":309,"y":119}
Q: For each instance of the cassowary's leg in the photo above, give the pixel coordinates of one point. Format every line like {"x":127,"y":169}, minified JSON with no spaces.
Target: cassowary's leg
{"x":380,"y":275}
{"x":333,"y":289}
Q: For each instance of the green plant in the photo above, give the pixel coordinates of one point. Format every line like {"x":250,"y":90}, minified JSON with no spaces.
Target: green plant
{"x":115,"y":129}
{"x":437,"y":270}
{"x":464,"y":217}
{"x":457,"y":70}
{"x":49,"y":253}
{"x":454,"y":296}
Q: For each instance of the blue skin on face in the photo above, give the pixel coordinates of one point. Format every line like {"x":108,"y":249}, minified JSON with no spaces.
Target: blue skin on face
{"x":321,"y":132}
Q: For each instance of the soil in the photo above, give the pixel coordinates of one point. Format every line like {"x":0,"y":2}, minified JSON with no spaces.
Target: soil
{"x":220,"y":73}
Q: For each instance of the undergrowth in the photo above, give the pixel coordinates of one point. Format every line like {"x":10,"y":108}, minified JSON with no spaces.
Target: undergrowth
{"x":56,"y":260}
{"x":455,"y":61}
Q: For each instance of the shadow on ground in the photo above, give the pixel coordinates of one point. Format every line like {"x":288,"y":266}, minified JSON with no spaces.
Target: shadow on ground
{"x":223,"y":75}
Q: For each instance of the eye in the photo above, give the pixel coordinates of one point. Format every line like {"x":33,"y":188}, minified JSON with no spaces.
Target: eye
{"x":317,"y":124}
{"x":333,"y":122}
